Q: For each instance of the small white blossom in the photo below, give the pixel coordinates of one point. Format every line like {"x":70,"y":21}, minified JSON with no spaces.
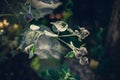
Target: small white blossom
{"x":60,"y":25}
{"x":83,"y":61}
{"x":34,"y":27}
{"x":83,"y":50}
{"x":84,"y":33}
{"x":79,"y":52}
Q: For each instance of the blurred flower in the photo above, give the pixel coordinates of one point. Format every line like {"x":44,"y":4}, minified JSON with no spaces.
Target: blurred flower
{"x":44,"y":7}
{"x":83,"y":61}
{"x":5,"y":22}
{"x":34,"y":27}
{"x":15,"y":26}
{"x":38,"y":4}
{"x":58,"y":16}
{"x":38,"y":9}
{"x":52,"y":16}
{"x":93,"y":63}
{"x":79,"y":52}
{"x":1,"y":25}
{"x":84,"y":33}
{"x":28,"y":17}
{"x":60,"y":25}
{"x":83,"y":50}
{"x":77,"y":32}
{"x":1,"y":31}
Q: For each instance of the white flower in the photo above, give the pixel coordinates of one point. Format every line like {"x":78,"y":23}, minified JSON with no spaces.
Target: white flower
{"x":84,"y":33}
{"x":60,"y":25}
{"x":47,"y":33}
{"x":34,"y":27}
{"x":38,"y":4}
{"x":83,"y":61}
{"x":79,"y":52}
{"x":83,"y":50}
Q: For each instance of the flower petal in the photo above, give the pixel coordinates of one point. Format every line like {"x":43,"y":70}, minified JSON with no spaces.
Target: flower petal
{"x":60,"y":25}
{"x":34,"y":27}
{"x":83,"y":61}
{"x":47,"y":33}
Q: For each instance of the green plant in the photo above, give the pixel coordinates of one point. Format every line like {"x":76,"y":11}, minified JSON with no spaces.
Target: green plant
{"x":63,"y":74}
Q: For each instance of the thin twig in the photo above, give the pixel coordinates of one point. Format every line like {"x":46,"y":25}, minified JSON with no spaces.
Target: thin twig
{"x":7,"y":15}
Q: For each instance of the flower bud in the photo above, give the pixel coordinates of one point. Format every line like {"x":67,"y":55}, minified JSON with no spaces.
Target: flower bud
{"x":80,"y":52}
{"x":84,"y":33}
{"x":83,"y":61}
{"x":28,"y":17}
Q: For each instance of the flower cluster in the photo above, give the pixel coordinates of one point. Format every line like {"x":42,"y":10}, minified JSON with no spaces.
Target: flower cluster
{"x":79,"y":53}
{"x":61,"y":26}
{"x":58,"y":26}
{"x":82,"y":33}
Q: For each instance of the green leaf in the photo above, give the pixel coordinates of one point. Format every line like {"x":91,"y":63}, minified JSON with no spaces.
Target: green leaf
{"x":35,"y":64}
{"x":70,"y":54}
{"x":32,"y":50}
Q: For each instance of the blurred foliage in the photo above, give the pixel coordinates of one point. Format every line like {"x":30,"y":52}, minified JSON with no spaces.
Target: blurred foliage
{"x":35,"y":63}
{"x":63,"y":74}
{"x":97,"y":54}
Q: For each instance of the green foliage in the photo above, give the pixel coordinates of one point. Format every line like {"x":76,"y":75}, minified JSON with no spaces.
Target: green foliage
{"x":98,"y":48}
{"x":70,"y":55}
{"x":35,"y":63}
{"x":63,"y":74}
{"x":97,"y":51}
{"x":68,"y":14}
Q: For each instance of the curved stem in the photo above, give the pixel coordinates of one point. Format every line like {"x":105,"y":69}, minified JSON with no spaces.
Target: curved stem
{"x":67,"y":35}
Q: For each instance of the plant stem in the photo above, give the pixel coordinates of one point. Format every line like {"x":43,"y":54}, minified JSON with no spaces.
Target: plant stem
{"x":6,"y":15}
{"x":65,"y":42}
{"x":67,"y":35}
